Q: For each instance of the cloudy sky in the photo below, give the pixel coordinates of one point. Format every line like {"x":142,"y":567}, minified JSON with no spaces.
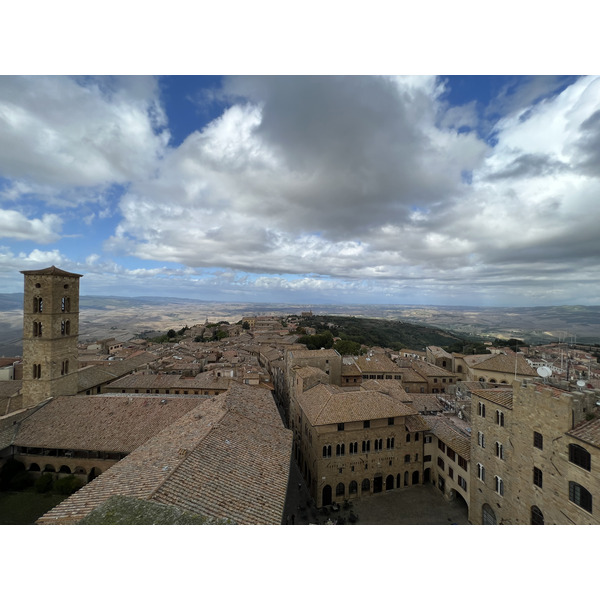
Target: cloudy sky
{"x":465,"y":190}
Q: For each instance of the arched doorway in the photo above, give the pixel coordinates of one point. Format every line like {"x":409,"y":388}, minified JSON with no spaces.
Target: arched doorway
{"x":326,"y":495}
{"x":64,"y":469}
{"x":377,"y":484}
{"x":34,"y":467}
{"x":398,"y":480}
{"x":427,"y":475}
{"x":49,"y":469}
{"x":389,"y":482}
{"x":415,"y":477}
{"x":405,"y":478}
{"x":488,"y":517}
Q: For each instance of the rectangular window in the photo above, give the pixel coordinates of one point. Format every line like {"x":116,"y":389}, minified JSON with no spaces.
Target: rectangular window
{"x":462,"y":462}
{"x":481,"y":409}
{"x":451,"y":472}
{"x":480,"y":439}
{"x":462,"y":482}
{"x":427,"y":458}
{"x":441,"y":446}
{"x":390,"y":420}
{"x":407,"y":458}
{"x":451,"y":454}
{"x":538,"y":440}
{"x":440,"y":463}
{"x":366,"y":424}
{"x":340,"y":427}
{"x":428,"y":439}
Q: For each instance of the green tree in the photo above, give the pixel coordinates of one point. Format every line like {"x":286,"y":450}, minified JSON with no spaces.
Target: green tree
{"x":245,"y":325}
{"x":171,"y":333}
{"x":347,"y":347}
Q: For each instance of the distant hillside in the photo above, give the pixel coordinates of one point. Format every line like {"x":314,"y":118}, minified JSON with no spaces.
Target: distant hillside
{"x":383,"y":332}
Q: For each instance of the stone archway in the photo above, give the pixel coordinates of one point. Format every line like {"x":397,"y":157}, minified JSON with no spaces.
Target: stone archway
{"x":389,"y":482}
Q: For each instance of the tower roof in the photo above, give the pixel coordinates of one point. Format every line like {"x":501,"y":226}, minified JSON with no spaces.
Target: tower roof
{"x":51,"y":271}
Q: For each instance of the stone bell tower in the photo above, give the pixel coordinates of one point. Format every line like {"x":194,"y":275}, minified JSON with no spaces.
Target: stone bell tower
{"x":50,"y":332}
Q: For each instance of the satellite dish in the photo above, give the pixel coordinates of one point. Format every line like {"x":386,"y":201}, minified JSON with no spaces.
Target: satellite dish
{"x":544,"y":372}
{"x":581,"y":383}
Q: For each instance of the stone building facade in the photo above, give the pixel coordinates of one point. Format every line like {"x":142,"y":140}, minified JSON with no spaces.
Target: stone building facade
{"x":535,"y":453}
{"x":50,"y":333}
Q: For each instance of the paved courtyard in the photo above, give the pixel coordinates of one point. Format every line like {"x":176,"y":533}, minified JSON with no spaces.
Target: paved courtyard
{"x":414,"y":505}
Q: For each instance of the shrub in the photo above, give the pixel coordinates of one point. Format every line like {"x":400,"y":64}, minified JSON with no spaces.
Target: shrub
{"x":10,"y":469}
{"x":21,"y":481}
{"x":67,"y":485}
{"x":44,"y":483}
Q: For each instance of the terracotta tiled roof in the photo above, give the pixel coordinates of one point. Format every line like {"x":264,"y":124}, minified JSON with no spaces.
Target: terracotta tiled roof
{"x":409,"y":375}
{"x":325,"y":404}
{"x":377,"y":363}
{"x":326,"y":353}
{"x":429,"y":370}
{"x":443,"y":430}
{"x":229,"y":458}
{"x":506,"y":364}
{"x":425,"y":402}
{"x":588,"y":432}
{"x":416,"y":423}
{"x":51,"y":271}
{"x":161,"y":381}
{"x":97,"y":375}
{"x":116,"y":423}
{"x":501,"y":396}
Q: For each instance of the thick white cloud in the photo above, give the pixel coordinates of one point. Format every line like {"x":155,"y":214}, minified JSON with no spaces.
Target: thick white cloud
{"x":60,"y":133}
{"x":17,"y":226}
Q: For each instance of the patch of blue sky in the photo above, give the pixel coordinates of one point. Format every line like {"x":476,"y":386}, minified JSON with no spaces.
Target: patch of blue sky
{"x":466,"y":177}
{"x":190,"y":102}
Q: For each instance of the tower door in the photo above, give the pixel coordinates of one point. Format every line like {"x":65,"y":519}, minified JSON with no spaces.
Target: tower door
{"x":377,"y":484}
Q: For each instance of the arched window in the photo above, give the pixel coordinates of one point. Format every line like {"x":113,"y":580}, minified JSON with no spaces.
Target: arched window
{"x":580,"y":456}
{"x":340,"y":450}
{"x":390,"y":443}
{"x":537,"y":517}
{"x":353,"y":447}
{"x":366,"y":485}
{"x":353,"y":487}
{"x":500,"y":418}
{"x":408,"y":437}
{"x":37,"y":329}
{"x":339,"y":489}
{"x":459,"y":369}
{"x":580,"y":496}
{"x":326,"y":451}
{"x":65,"y":304}
{"x":366,"y":446}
